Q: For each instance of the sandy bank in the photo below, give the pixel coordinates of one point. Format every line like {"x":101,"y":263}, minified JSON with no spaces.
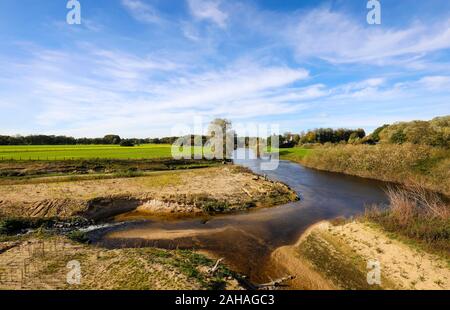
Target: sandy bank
{"x":210,"y":190}
{"x":337,"y":257}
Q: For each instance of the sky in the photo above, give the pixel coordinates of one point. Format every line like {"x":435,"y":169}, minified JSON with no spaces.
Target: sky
{"x":139,"y":67}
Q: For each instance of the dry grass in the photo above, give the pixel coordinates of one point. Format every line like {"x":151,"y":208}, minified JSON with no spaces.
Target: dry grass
{"x":40,"y":262}
{"x":416,"y":213}
{"x":412,"y":202}
{"x":406,"y":164}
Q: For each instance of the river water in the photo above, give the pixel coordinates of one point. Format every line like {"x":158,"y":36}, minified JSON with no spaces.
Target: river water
{"x":246,"y":240}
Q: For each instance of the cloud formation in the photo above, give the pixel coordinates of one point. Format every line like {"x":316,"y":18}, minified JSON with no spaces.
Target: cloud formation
{"x":299,"y":68}
{"x":208,"y":10}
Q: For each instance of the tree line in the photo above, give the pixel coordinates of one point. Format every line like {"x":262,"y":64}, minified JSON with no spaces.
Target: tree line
{"x":65,"y":140}
{"x":320,"y":135}
{"x":435,"y":132}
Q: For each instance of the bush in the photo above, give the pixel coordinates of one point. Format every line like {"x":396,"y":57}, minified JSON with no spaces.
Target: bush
{"x":398,"y":137}
{"x":126,"y":143}
{"x":13,"y":225}
{"x":78,"y":236}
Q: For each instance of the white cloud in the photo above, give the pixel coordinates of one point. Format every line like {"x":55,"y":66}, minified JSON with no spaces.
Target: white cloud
{"x":435,"y":82}
{"x":100,"y":89}
{"x":141,"y":11}
{"x":338,"y":38}
{"x":208,"y":10}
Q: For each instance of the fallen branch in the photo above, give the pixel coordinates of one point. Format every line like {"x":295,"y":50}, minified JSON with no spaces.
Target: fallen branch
{"x":216,"y":266}
{"x":274,"y":283}
{"x":247,"y":192}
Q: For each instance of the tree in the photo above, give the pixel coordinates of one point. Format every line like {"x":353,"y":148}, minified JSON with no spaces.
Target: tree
{"x":222,"y":138}
{"x":376,"y":133}
{"x":111,"y":139}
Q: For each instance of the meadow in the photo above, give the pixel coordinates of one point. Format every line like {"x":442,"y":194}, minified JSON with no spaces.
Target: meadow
{"x":66,"y":152}
{"x":295,"y":153}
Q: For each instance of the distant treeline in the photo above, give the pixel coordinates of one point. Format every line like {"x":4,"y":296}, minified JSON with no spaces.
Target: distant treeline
{"x":319,"y":135}
{"x":108,"y":139}
{"x":64,"y":140}
{"x":434,"y":133}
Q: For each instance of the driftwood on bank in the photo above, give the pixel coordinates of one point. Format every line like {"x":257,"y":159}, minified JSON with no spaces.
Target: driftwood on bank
{"x":216,"y":266}
{"x":247,"y":192}
{"x":274,"y":284}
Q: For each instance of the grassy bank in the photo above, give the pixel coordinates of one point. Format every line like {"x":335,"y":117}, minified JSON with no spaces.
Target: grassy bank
{"x":406,"y":164}
{"x":24,"y":171}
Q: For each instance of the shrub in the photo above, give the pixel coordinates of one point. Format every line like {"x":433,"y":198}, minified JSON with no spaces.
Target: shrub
{"x":398,"y":137}
{"x":78,"y":236}
{"x":127,"y":143}
{"x":13,"y":225}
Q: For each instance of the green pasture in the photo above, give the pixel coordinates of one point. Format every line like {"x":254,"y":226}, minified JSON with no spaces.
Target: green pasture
{"x":66,"y":152}
{"x":295,"y":153}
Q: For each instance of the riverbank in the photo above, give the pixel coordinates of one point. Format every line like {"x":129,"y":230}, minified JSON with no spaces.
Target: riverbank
{"x":340,"y":255}
{"x":406,"y":164}
{"x":43,"y":226}
{"x":212,"y":190}
{"x":407,"y":240}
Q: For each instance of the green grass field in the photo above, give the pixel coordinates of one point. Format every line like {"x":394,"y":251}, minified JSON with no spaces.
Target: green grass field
{"x":61,"y":152}
{"x":295,"y":153}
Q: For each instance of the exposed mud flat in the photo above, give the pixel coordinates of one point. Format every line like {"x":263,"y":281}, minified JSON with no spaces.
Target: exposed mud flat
{"x":335,"y":257}
{"x":211,"y":190}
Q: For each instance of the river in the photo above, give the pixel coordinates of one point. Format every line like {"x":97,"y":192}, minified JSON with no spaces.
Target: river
{"x":246,"y":240}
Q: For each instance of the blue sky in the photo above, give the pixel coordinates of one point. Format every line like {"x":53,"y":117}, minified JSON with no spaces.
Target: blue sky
{"x":137,"y":67}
